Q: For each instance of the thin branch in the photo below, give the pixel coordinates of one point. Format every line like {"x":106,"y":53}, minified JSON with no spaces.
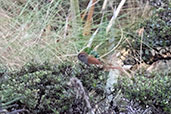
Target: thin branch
{"x":115,"y":14}
{"x":104,"y":5}
{"x":79,"y":89}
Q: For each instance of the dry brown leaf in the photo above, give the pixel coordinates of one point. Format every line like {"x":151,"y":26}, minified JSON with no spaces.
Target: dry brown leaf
{"x":87,"y":27}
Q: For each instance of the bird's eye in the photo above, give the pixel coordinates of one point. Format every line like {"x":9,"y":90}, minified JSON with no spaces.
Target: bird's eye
{"x":81,"y":55}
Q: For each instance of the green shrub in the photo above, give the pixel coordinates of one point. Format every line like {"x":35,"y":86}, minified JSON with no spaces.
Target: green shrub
{"x":155,"y":42}
{"x":44,"y":88}
{"x":148,"y":91}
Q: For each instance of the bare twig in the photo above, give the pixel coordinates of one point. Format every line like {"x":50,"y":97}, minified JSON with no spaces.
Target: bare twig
{"x":66,"y":27}
{"x":92,"y":37}
{"x":104,"y":5}
{"x":79,"y":89}
{"x":115,"y":14}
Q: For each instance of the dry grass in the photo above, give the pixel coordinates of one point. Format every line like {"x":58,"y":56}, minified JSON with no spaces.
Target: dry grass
{"x":30,"y":31}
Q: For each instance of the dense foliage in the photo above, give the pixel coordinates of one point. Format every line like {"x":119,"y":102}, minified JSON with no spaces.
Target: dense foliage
{"x":155,"y":42}
{"x":44,"y":88}
{"x":38,"y":29}
{"x":152,"y":91}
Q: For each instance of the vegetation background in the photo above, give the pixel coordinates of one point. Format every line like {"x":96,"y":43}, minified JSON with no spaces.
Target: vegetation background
{"x":36,"y":34}
{"x":41,"y":29}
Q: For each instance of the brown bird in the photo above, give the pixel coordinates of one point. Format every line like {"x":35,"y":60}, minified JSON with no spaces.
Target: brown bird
{"x":88,"y":60}
{"x":85,"y":58}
